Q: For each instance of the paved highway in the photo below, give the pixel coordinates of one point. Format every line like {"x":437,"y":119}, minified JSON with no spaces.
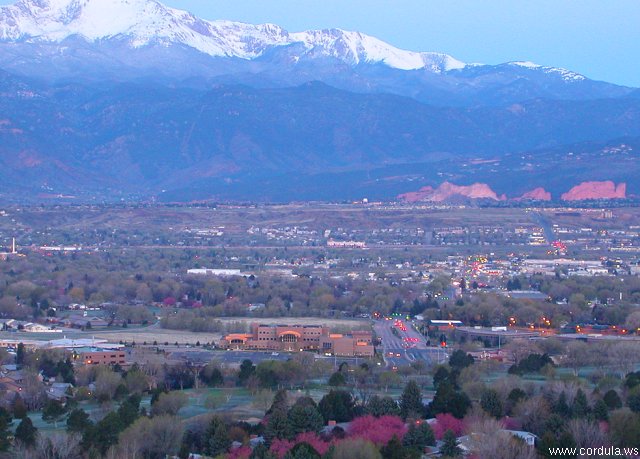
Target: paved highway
{"x":407,"y":346}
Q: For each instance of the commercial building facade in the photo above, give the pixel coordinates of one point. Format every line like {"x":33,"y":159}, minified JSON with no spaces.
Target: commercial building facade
{"x":295,"y":338}
{"x":355,"y":344}
{"x":98,"y":356}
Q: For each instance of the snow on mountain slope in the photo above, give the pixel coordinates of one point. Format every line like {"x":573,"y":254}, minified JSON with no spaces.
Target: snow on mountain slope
{"x":143,"y":22}
{"x":356,"y":48}
{"x":146,"y":22}
{"x":565,"y":74}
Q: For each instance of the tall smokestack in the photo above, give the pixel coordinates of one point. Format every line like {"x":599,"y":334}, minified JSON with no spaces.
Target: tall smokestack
{"x":13,"y":246}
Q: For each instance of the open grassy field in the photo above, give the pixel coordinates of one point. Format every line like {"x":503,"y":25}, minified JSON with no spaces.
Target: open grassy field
{"x":155,"y":333}
{"x":331,"y":323}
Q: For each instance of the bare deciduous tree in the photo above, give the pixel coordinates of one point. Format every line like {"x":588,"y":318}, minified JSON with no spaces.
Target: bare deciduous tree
{"x":533,"y":414}
{"x":107,"y":381}
{"x":136,"y":381}
{"x":633,"y":321}
{"x":625,"y":356}
{"x":263,"y":399}
{"x":587,"y":434}
{"x":33,"y":392}
{"x":578,"y":355}
{"x":155,"y":437}
{"x":521,"y":348}
{"x":58,"y":445}
{"x":490,"y":441}
{"x":569,"y":388}
{"x":169,"y":403}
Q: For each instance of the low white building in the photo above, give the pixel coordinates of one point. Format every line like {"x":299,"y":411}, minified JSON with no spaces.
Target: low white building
{"x":215,"y":272}
{"x":39,"y":328}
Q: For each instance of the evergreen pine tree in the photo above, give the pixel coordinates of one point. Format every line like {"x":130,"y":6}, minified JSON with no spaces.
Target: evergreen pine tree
{"x":53,"y":411}
{"x":105,"y":433}
{"x":561,"y":407}
{"x":305,"y":419}
{"x":580,"y":407}
{"x":491,"y":403}
{"x":302,"y":451}
{"x":600,"y":410}
{"x":261,"y":452}
{"x":218,"y":437}
{"x":26,"y":432}
{"x":418,"y":437}
{"x":78,"y":421}
{"x":450,"y":446}
{"x":393,"y":449}
{"x":18,"y":407}
{"x":411,"y":401}
{"x":337,"y":379}
{"x":278,"y":426}
{"x":280,"y":402}
{"x":612,"y":399}
{"x":20,"y":354}
{"x":4,"y":434}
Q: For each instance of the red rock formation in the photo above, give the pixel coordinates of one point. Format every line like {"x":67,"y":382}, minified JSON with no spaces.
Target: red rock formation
{"x":596,"y":190}
{"x":448,"y":190}
{"x":538,"y":194}
{"x":415,"y":196}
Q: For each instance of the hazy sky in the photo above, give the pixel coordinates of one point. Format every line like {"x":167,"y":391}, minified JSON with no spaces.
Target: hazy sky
{"x":599,"y":38}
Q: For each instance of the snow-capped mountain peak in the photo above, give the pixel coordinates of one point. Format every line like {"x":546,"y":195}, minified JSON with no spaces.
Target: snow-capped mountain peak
{"x":144,"y":22}
{"x":140,"y":23}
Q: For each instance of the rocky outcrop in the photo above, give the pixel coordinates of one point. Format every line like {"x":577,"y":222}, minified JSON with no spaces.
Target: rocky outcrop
{"x":596,"y":190}
{"x":449,"y":190}
{"x":538,"y":194}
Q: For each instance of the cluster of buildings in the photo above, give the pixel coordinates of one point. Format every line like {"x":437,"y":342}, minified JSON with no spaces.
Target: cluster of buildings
{"x":199,"y":233}
{"x":296,"y":338}
{"x":25,"y":326}
{"x":16,"y":382}
{"x":488,"y":235}
{"x":490,"y":267}
{"x":346,"y":244}
{"x":215,"y":272}
{"x":572,"y":267}
{"x":299,"y":235}
{"x":85,"y":351}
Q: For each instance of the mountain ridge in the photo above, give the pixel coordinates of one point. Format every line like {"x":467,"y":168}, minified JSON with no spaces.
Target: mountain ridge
{"x":137,"y":140}
{"x":129,"y":99}
{"x":143,"y":22}
{"x":130,"y":40}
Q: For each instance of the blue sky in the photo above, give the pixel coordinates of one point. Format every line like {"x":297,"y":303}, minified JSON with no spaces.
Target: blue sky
{"x":599,"y":38}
